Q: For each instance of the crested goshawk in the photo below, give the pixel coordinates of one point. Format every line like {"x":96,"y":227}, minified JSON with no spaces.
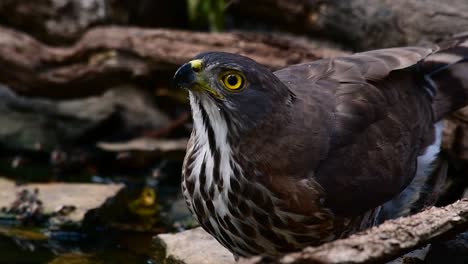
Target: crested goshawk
{"x":312,"y":152}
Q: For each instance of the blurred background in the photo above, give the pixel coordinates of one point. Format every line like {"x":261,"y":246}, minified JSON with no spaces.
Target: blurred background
{"x":92,"y":135}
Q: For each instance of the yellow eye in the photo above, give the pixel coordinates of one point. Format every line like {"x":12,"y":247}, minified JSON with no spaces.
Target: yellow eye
{"x":233,"y":81}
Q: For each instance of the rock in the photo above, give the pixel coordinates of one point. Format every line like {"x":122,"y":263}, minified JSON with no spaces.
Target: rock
{"x":194,"y":246}
{"x":41,"y":124}
{"x":54,"y":196}
{"x":180,"y":216}
{"x":84,"y":196}
{"x":7,"y":192}
{"x":145,"y":144}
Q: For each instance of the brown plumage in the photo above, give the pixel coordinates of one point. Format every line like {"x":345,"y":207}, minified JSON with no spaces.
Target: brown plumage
{"x":309,"y":153}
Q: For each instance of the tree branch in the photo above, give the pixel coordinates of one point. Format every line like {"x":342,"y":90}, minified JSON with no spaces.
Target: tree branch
{"x":106,"y":56}
{"x":384,"y":242}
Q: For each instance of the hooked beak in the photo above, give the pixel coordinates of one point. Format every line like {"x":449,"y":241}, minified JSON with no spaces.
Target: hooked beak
{"x":188,"y":76}
{"x":184,"y":76}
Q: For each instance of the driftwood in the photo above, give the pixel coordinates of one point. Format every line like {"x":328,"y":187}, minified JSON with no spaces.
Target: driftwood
{"x":64,"y":21}
{"x":385,"y":242}
{"x":107,"y":56}
{"x":362,"y":24}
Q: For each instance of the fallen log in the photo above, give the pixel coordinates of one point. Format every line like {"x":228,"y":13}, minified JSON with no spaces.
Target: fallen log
{"x":64,"y":21}
{"x":384,"y":242}
{"x":362,"y":24}
{"x":107,"y":56}
{"x":359,"y":24}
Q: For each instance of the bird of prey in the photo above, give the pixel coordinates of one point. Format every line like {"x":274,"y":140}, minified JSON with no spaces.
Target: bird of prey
{"x":310,"y":153}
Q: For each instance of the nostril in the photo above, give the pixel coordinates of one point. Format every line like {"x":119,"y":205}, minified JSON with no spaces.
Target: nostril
{"x":196,"y":68}
{"x":196,"y":65}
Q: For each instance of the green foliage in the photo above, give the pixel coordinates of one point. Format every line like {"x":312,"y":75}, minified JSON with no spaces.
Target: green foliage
{"x":207,"y":12}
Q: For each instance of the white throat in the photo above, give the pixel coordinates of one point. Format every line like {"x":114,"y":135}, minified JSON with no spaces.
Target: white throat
{"x":211,"y":119}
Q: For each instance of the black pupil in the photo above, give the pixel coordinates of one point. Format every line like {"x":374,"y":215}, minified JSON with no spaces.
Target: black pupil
{"x":232,"y":80}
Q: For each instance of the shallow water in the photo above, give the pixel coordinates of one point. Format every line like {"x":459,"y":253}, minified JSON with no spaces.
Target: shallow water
{"x":110,"y":248}
{"x":127,"y":238}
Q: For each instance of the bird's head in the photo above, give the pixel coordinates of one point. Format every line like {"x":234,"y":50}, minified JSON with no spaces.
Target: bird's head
{"x":238,"y":86}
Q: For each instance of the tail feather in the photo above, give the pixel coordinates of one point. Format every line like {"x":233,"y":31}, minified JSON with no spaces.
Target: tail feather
{"x":446,"y":76}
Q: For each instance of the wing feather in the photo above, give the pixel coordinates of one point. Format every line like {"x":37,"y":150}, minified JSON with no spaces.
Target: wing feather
{"x":379,"y":125}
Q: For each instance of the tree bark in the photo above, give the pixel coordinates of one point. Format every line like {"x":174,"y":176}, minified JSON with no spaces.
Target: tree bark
{"x":107,"y":56}
{"x":362,"y":24}
{"x":385,"y":242}
{"x":64,"y":21}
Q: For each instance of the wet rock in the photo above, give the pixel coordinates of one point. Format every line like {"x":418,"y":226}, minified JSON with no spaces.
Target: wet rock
{"x":59,"y":197}
{"x":84,"y":196}
{"x":27,"y":208}
{"x":7,"y":192}
{"x":42,"y":124}
{"x":180,"y":216}
{"x":194,"y":246}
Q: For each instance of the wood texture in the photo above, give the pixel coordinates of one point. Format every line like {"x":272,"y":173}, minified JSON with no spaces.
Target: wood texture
{"x":385,"y":242}
{"x":64,"y":21}
{"x":362,"y":24}
{"x":107,"y":56}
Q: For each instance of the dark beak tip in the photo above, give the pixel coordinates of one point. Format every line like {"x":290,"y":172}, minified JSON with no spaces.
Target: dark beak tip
{"x":183,"y":77}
